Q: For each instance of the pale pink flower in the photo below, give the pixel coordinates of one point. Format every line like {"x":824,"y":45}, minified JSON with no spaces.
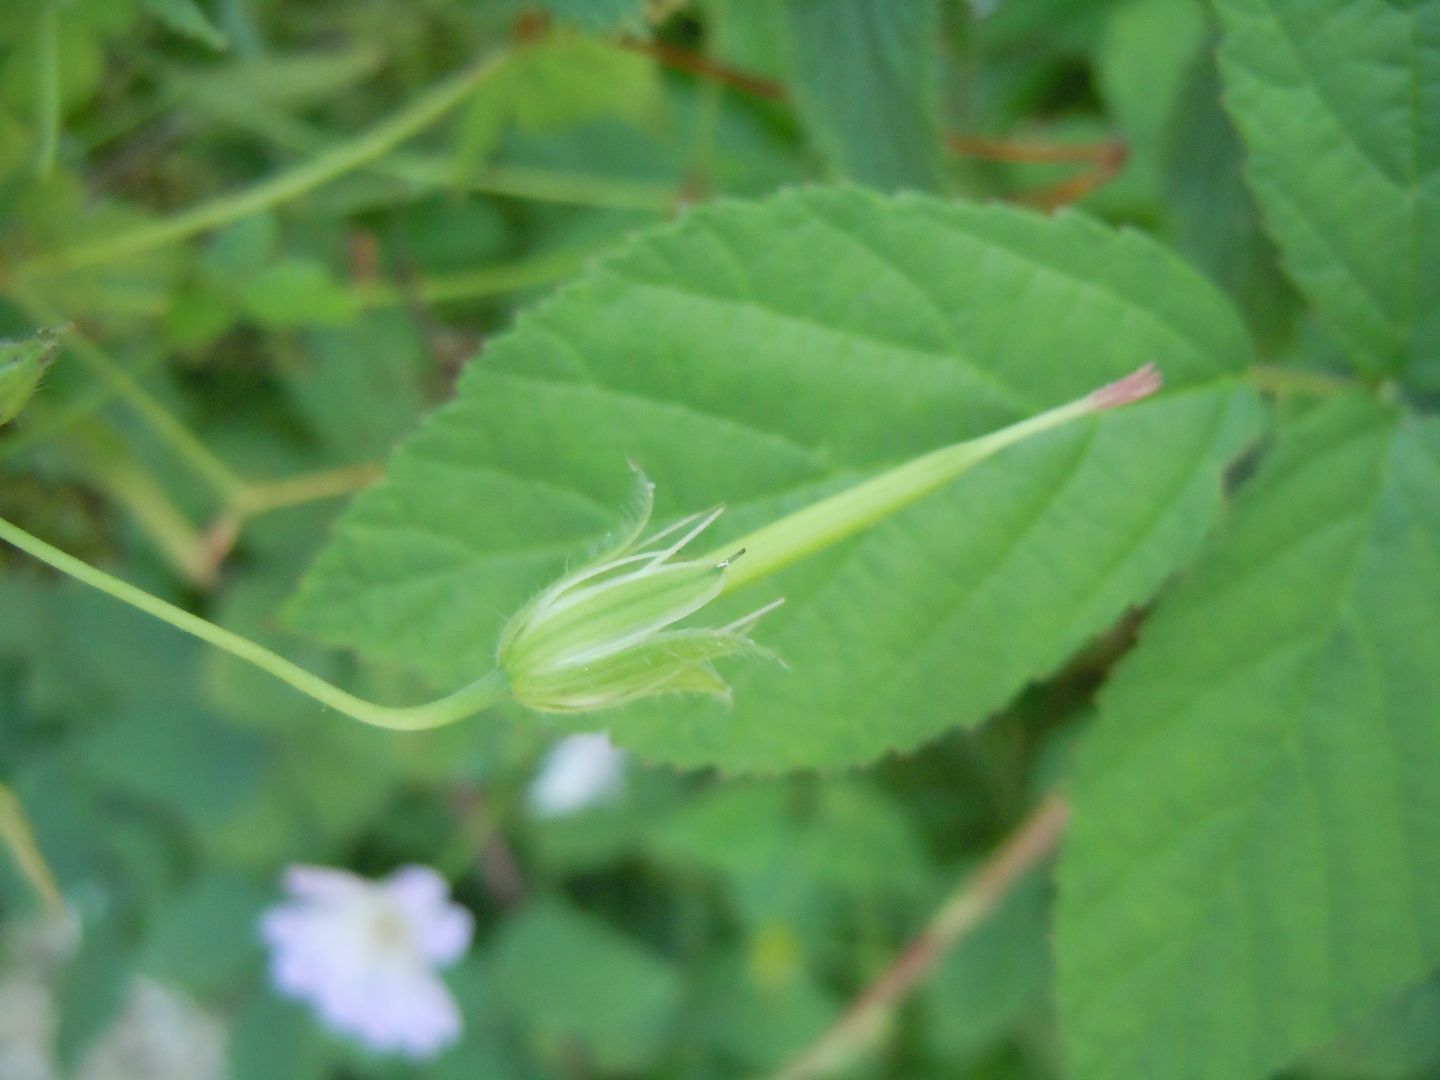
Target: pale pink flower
{"x":578,"y":772}
{"x":364,"y":954}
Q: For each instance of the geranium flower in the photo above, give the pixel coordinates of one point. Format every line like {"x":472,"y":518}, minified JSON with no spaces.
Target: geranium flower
{"x":364,"y":954}
{"x":578,"y":772}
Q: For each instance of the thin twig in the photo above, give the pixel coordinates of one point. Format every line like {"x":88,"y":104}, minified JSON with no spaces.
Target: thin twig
{"x":705,"y":67}
{"x":334,"y":162}
{"x":1030,"y":844}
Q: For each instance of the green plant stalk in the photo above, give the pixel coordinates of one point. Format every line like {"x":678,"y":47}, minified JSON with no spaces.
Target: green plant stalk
{"x":479,"y":695}
{"x":782,"y":543}
{"x":653,"y":590}
{"x":308,"y":175}
{"x":424,"y":173}
{"x":483,"y":281}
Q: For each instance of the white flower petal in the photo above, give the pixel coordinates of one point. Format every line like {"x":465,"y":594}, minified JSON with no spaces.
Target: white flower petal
{"x":578,"y":772}
{"x":363,"y":955}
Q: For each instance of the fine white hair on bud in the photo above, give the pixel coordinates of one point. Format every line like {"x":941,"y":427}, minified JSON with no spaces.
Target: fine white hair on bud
{"x":607,"y":633}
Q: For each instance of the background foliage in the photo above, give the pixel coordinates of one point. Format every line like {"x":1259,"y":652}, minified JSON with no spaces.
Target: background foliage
{"x":494,"y":249}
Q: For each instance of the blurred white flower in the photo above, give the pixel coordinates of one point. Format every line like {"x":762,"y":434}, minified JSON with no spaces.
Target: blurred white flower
{"x":364,"y":954}
{"x":579,"y":771}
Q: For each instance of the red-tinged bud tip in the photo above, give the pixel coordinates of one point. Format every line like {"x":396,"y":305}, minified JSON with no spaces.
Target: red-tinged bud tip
{"x":1133,"y":387}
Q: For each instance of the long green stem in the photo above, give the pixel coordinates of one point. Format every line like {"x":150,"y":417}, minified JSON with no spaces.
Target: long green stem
{"x":1287,"y":381}
{"x":775,"y":546}
{"x":293,"y":182}
{"x":483,"y":281}
{"x":424,"y":173}
{"x":482,"y":694}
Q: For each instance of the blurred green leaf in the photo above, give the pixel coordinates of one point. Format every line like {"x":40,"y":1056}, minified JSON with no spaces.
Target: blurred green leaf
{"x":298,"y":292}
{"x":575,"y":983}
{"x":1255,"y":856}
{"x":1400,"y":1040}
{"x":92,"y":990}
{"x":183,"y":760}
{"x":205,"y":940}
{"x":993,"y":978}
{"x":1147,"y":48}
{"x":599,"y":16}
{"x":759,"y":1022}
{"x":555,"y":83}
{"x":1339,"y":104}
{"x":1211,"y":212}
{"x":759,"y":375}
{"x":272,"y":1038}
{"x":866,"y":81}
{"x":188,"y":18}
{"x":362,"y":386}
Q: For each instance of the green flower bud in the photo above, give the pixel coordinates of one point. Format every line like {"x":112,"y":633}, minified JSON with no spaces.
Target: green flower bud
{"x":606,"y":634}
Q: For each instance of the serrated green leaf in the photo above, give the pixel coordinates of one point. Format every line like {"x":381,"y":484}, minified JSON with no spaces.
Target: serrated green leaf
{"x":866,"y":81}
{"x":1339,"y":103}
{"x":1255,"y":857}
{"x":739,"y":370}
{"x":188,"y":18}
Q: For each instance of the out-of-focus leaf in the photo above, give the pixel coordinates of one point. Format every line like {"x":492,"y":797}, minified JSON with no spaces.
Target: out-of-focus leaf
{"x":1400,"y":1041}
{"x":1211,"y":213}
{"x":1254,"y":862}
{"x":1144,"y":54}
{"x":865,"y":75}
{"x":761,"y":375}
{"x":1339,"y":104}
{"x":599,"y":16}
{"x":993,"y":978}
{"x":555,"y":83}
{"x":362,"y":386}
{"x":574,"y":981}
{"x":759,"y":1022}
{"x":848,"y":840}
{"x":180,"y":759}
{"x":272,"y":1038}
{"x":92,"y":989}
{"x":206,"y":939}
{"x":187,"y":17}
{"x":298,"y":292}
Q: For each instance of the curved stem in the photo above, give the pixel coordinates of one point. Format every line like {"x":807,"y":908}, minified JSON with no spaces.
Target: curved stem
{"x":287,"y":185}
{"x":481,"y":694}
